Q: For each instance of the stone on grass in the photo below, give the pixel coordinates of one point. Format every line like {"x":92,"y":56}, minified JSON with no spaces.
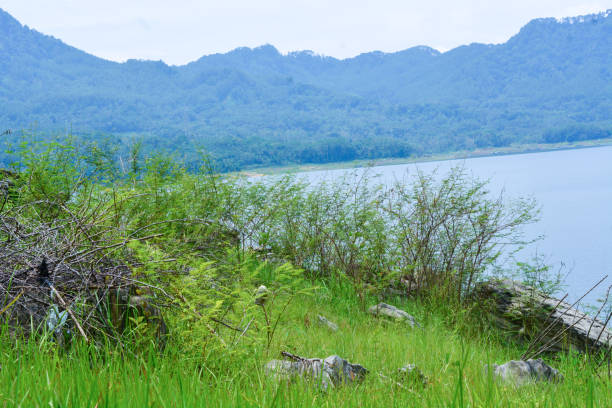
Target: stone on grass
{"x":410,"y":374}
{"x":332,"y":372}
{"x":521,"y":372}
{"x":392,"y":312}
{"x":325,"y":322}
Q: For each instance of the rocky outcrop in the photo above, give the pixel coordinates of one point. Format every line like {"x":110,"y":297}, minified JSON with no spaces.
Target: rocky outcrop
{"x":520,"y":372}
{"x":393,"y":313}
{"x":522,"y":310}
{"x":332,"y":372}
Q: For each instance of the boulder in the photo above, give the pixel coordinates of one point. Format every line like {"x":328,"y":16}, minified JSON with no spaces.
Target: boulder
{"x":332,"y":372}
{"x":393,"y":313}
{"x":329,"y":324}
{"x":520,"y":372}
{"x":524,"y":311}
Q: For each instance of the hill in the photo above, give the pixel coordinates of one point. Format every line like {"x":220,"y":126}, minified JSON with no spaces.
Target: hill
{"x":551,"y":82}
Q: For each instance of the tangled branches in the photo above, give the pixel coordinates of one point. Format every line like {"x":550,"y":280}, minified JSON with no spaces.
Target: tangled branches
{"x":72,"y":261}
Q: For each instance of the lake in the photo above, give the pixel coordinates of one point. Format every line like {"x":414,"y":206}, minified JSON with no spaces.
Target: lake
{"x":574,"y":190}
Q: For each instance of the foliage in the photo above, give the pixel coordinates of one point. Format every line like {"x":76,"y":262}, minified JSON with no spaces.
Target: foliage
{"x":537,"y":274}
{"x":197,"y":245}
{"x":425,"y":234}
{"x":451,"y":231}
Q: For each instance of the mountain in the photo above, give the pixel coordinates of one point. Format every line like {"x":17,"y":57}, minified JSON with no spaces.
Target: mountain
{"x":550,"y":82}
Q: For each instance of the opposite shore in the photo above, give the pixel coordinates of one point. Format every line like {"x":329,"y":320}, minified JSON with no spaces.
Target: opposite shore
{"x":457,"y":155}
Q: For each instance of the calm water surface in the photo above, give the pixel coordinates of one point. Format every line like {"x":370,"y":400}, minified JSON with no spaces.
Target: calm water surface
{"x":574,"y":190}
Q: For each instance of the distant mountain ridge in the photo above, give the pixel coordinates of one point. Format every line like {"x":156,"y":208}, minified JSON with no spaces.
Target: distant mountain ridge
{"x":552,"y":81}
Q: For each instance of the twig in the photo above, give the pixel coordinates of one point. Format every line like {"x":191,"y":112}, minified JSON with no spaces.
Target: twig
{"x":225,"y":324}
{"x":553,"y":340}
{"x":65,"y":306}
{"x":545,"y":331}
{"x":293,"y":356}
{"x":551,"y":325}
{"x":125,"y":242}
{"x":244,"y":331}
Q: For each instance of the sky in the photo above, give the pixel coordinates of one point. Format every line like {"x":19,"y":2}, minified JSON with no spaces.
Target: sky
{"x":180,"y":31}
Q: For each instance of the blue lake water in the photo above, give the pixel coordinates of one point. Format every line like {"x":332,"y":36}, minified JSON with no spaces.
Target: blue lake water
{"x":574,"y":190}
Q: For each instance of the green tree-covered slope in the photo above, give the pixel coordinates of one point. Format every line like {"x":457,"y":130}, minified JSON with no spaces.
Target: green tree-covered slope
{"x":551,"y":82}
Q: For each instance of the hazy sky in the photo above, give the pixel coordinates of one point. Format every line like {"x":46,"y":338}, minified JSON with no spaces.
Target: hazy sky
{"x":179,"y":31}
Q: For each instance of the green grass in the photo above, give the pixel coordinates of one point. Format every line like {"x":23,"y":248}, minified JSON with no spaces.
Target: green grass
{"x":35,"y":375}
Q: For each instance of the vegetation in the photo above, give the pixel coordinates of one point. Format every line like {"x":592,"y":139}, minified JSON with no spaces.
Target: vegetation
{"x":196,"y":246}
{"x":38,"y":375}
{"x":255,"y":107}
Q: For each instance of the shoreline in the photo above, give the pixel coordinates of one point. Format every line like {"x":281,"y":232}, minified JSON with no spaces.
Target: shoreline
{"x":458,"y":155}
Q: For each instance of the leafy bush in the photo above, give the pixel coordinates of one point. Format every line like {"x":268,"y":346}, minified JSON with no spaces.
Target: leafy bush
{"x":426,"y":234}
{"x":200,"y":243}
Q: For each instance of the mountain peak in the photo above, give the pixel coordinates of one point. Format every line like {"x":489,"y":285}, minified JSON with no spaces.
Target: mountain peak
{"x":267,"y":50}
{"x":423,"y":49}
{"x":587,"y":18}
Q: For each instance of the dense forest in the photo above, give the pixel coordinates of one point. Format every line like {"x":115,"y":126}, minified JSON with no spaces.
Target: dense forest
{"x":551,"y":82}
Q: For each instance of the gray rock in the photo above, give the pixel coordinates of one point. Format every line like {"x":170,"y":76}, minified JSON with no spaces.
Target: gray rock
{"x":411,"y":374}
{"x":289,"y":370}
{"x":516,"y":304}
{"x":392,"y":312}
{"x":520,"y":372}
{"x":342,"y":372}
{"x":330,"y":372}
{"x":331,"y":325}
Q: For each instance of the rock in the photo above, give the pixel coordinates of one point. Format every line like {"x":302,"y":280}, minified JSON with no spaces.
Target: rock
{"x":392,"y":312}
{"x":343,"y":372}
{"x":333,"y":371}
{"x":523,"y":311}
{"x":411,"y":374}
{"x":521,"y":372}
{"x":261,"y":295}
{"x":331,"y":325}
{"x":288,"y":370}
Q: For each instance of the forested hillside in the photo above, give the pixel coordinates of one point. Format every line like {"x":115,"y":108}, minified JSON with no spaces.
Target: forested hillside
{"x":551,"y":82}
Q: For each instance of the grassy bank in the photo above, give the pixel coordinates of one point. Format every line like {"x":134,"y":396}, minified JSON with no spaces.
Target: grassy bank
{"x":37,"y":375}
{"x":94,"y":253}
